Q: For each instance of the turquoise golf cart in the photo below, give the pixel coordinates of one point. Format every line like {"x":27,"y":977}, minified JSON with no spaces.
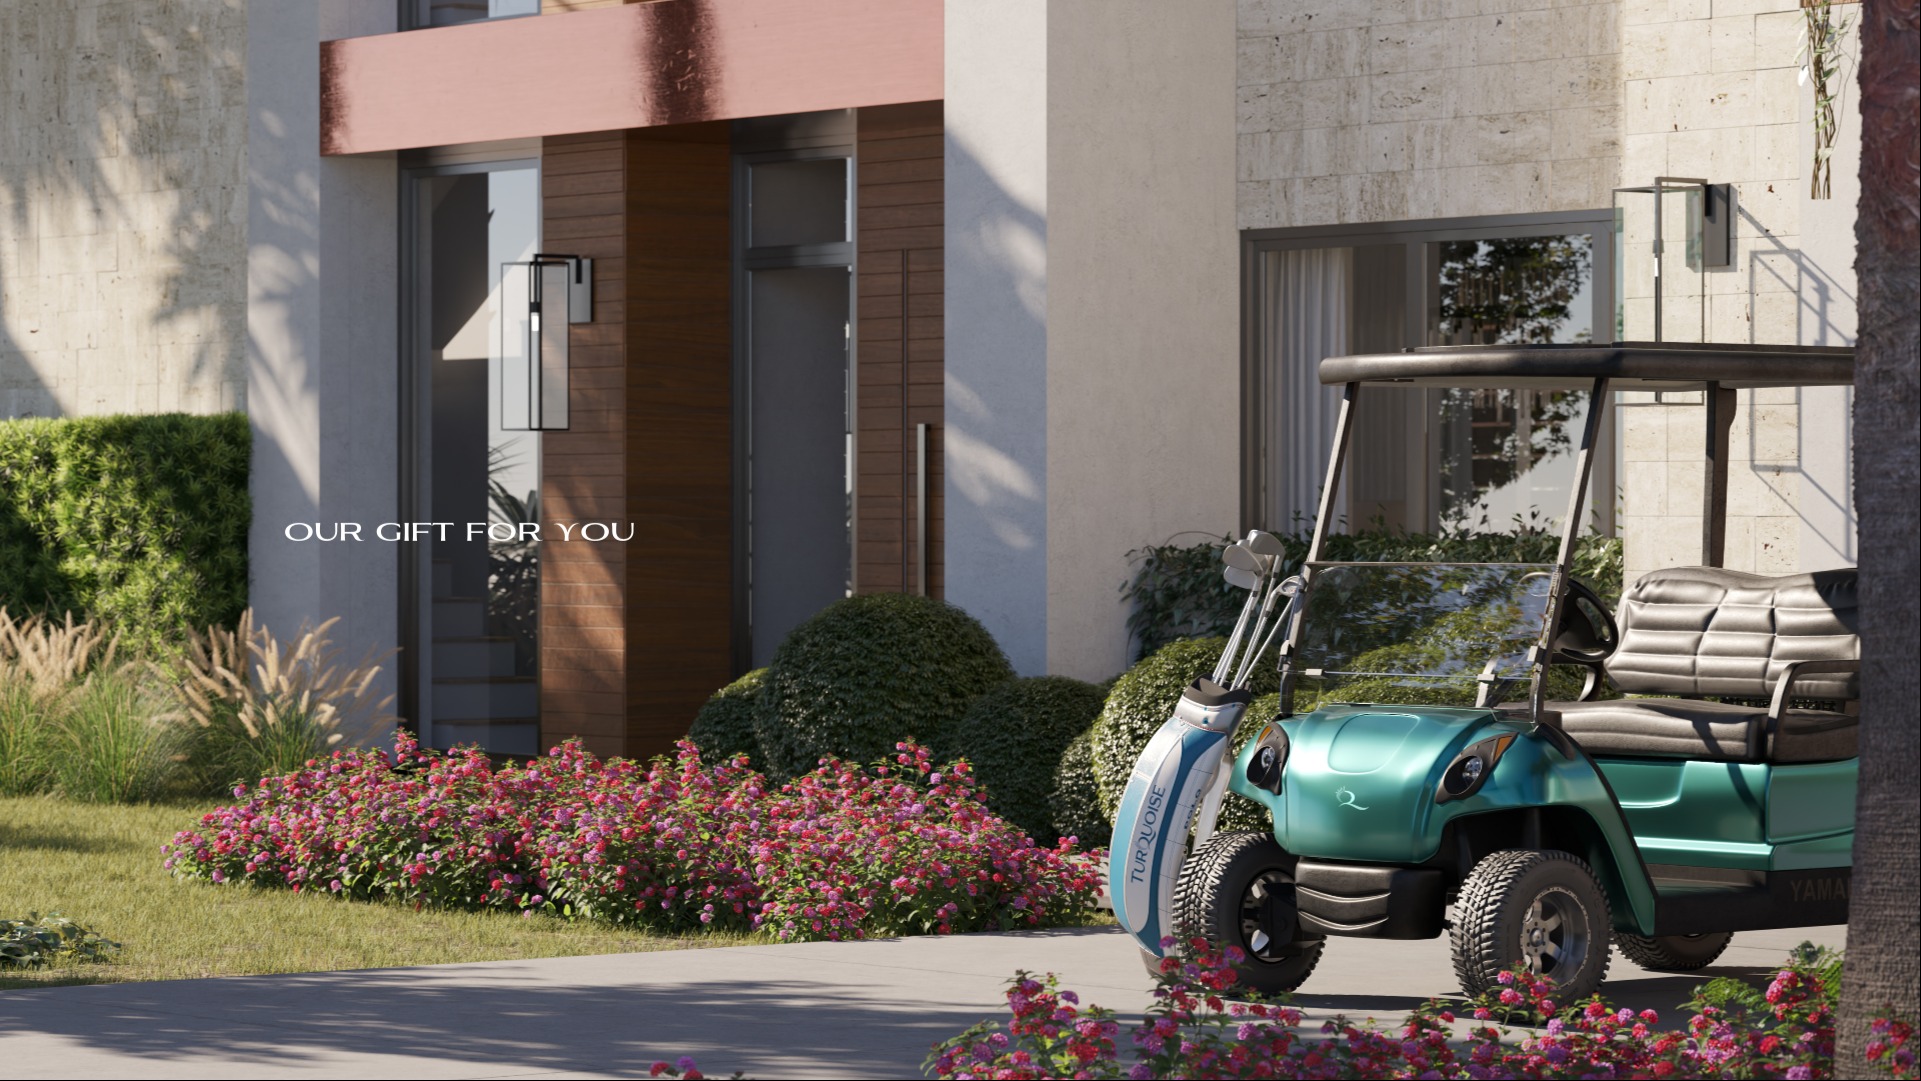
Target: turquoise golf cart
{"x":1487,"y":750}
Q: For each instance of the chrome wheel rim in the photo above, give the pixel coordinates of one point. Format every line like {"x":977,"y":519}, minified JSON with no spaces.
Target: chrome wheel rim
{"x":1555,"y":935}
{"x":1268,"y":888}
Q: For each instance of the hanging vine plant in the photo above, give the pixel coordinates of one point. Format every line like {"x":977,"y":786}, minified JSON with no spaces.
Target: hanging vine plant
{"x":1820,"y":56}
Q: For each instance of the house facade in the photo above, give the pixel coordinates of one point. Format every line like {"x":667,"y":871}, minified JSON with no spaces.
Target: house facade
{"x":965,"y":298}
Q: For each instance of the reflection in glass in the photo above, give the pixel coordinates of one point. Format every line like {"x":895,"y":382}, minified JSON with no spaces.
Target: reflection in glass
{"x":1419,"y":633}
{"x":797,"y":202}
{"x":476,"y":650}
{"x":431,"y":13}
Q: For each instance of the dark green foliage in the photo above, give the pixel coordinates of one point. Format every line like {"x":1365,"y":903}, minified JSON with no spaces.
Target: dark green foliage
{"x":1015,"y":735}
{"x":137,"y":521}
{"x":39,"y":940}
{"x":1075,"y":805}
{"x":868,"y":672}
{"x":724,"y":727}
{"x":1177,"y":590}
{"x":1144,"y":699}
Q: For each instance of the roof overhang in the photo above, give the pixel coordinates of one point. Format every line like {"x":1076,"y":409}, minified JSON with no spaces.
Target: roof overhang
{"x":1626,"y":365}
{"x":632,"y":66}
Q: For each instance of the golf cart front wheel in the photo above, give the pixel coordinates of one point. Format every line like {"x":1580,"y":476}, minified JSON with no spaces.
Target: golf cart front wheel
{"x":1238,"y":890}
{"x":1540,"y":909}
{"x":1675,"y":953}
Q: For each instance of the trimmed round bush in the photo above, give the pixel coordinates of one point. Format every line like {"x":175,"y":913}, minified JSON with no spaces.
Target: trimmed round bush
{"x":868,"y":672}
{"x":1015,"y":735}
{"x":724,"y":727}
{"x":1074,"y":803}
{"x":1144,"y":698}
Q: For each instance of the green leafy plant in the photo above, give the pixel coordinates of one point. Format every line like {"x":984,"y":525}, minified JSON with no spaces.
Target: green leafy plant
{"x":251,"y":706}
{"x":1177,"y":590}
{"x":868,"y":672}
{"x":1015,"y":735}
{"x":724,"y":727}
{"x":1143,"y":699}
{"x":136,"y":522}
{"x":1074,"y":804}
{"x":1819,"y":57}
{"x":41,"y":940}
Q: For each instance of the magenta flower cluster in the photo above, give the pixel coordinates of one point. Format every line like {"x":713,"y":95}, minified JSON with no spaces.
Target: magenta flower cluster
{"x":844,"y":852}
{"x":1196,"y":1029}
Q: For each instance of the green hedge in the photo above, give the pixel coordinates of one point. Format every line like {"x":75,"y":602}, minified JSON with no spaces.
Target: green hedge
{"x":1074,"y":806}
{"x":1177,"y":590}
{"x":137,"y":521}
{"x":1015,"y":735}
{"x":724,"y":727}
{"x":869,"y":671}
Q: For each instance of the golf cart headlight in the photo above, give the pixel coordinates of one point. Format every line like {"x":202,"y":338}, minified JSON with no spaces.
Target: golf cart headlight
{"x":1264,"y":768}
{"x":1470,"y":769}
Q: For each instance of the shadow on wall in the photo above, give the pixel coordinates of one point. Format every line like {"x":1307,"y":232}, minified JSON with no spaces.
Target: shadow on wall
{"x":997,"y":247}
{"x":125,"y":199}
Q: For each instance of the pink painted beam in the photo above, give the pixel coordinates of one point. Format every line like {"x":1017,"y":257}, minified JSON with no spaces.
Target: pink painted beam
{"x":635,"y":66}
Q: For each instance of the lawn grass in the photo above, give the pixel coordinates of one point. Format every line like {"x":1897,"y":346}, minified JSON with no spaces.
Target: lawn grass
{"x":99,"y":864}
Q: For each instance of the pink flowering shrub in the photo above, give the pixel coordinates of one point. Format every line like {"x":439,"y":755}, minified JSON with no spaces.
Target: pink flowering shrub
{"x":846,"y":851}
{"x":1196,"y":1030}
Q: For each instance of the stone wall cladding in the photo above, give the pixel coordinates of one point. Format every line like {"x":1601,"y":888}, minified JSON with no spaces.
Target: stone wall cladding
{"x":1407,"y":109}
{"x":123,"y":206}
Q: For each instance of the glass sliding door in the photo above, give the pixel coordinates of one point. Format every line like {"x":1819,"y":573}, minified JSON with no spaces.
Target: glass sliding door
{"x":1422,"y":460}
{"x":473,"y":648}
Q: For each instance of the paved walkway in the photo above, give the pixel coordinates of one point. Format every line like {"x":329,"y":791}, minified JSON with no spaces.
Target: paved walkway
{"x":866,"y":1009}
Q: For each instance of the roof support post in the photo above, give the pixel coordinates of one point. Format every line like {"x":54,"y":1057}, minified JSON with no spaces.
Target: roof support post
{"x":1721,"y":403}
{"x":1597,"y":407}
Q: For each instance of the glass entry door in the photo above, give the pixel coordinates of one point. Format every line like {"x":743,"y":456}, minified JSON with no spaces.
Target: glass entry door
{"x":473,"y":648}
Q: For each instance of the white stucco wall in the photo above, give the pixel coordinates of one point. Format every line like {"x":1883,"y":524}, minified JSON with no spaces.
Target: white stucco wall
{"x":997,"y":264}
{"x":322,"y":369}
{"x":122,"y":207}
{"x":1143,"y":327}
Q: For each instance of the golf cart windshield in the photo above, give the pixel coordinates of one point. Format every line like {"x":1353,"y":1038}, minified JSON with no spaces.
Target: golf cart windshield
{"x":1435,"y":634}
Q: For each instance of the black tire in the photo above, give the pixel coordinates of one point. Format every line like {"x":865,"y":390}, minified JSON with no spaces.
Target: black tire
{"x":1675,"y":953}
{"x":1540,"y":908}
{"x":1238,"y":890}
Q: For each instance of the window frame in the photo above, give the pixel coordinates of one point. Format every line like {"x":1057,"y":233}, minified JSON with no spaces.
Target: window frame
{"x":1419,"y":236}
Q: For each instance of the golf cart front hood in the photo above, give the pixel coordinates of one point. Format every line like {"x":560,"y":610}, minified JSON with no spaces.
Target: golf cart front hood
{"x":1359,"y":782}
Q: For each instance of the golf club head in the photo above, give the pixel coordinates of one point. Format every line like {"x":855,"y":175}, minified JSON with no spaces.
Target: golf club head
{"x":1263,"y":543}
{"x":1240,"y":577}
{"x":1234,"y":555}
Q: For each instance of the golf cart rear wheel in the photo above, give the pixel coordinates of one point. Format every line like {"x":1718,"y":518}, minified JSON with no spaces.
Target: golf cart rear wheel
{"x":1537,"y":908}
{"x":1238,"y":890}
{"x":1675,"y":953}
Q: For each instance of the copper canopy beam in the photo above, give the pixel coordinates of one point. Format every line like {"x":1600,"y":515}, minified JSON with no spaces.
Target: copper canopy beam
{"x":633,"y":66}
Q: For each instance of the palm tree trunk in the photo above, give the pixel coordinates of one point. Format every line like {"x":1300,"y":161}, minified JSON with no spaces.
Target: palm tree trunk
{"x":1884,"y":917}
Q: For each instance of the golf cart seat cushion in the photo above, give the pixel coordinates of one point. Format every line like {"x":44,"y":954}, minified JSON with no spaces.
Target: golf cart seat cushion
{"x":1715,"y":731}
{"x":1709,"y":631}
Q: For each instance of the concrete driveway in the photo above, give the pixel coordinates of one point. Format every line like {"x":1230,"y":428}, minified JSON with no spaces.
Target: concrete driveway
{"x":862,"y":1009}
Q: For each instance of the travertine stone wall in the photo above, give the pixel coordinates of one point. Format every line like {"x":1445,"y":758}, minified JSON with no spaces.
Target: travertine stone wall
{"x":123,"y":206}
{"x":1355,"y":112}
{"x":1711,"y":91}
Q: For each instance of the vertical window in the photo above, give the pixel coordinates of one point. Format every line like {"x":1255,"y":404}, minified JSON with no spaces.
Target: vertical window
{"x":474,"y":641}
{"x":794,"y":386}
{"x":1423,"y":460}
{"x":426,"y":14}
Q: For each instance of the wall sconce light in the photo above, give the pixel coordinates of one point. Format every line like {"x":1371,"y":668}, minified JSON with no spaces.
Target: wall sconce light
{"x":539,"y":299}
{"x":1708,"y":226}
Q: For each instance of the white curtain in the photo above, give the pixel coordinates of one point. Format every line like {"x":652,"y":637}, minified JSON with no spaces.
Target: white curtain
{"x":1304,"y":316}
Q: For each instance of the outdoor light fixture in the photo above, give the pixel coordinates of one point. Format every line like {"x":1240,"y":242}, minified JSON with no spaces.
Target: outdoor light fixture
{"x":539,"y":299}
{"x":1709,"y":231}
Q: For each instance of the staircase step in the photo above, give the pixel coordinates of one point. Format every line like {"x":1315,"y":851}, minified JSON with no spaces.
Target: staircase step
{"x":443,"y":574}
{"x":500,"y":735}
{"x":505,"y":696}
{"x":459,"y":617}
{"x":456,"y":658}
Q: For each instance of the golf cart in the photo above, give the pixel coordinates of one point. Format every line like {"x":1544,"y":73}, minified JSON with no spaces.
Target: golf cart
{"x":1486,"y":749}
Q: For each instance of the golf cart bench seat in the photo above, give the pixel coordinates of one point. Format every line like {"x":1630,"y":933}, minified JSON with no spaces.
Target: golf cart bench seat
{"x":1703,"y":631}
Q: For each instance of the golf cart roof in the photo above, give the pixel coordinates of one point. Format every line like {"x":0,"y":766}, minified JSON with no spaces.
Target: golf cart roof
{"x":1627,"y":366}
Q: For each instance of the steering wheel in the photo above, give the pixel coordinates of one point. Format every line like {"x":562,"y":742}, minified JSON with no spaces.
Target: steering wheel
{"x":1587,"y":634}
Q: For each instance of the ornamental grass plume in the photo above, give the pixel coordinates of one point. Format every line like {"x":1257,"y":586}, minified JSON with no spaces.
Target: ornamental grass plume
{"x":48,"y":657}
{"x":254,"y":706}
